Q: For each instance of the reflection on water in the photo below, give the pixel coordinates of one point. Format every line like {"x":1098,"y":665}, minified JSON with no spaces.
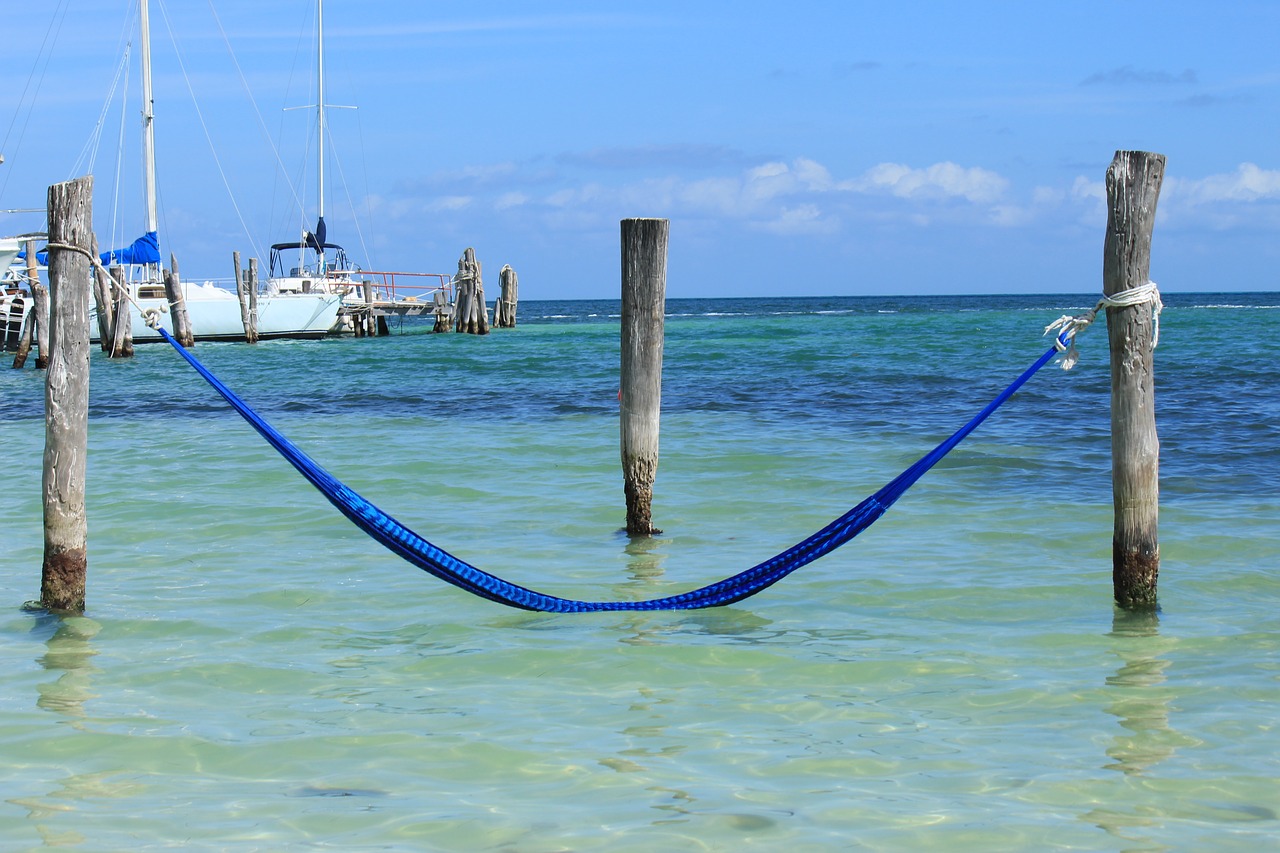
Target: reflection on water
{"x":69,"y":653}
{"x":644,"y":563}
{"x":1139,"y":700}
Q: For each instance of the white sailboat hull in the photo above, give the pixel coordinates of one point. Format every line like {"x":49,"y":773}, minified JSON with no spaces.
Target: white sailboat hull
{"x":215,"y":315}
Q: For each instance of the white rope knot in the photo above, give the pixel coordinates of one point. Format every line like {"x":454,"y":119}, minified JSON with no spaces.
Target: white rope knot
{"x":1067,"y":327}
{"x":151,"y":316}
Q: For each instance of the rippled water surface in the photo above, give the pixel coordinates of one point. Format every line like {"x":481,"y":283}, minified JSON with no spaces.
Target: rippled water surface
{"x":253,"y":673}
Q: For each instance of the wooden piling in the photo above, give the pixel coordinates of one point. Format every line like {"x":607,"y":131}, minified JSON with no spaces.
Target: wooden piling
{"x":43,"y":328}
{"x":122,"y":317}
{"x":370,"y":324}
{"x":104,"y":301}
{"x":62,"y":584}
{"x":37,"y":292}
{"x":471,"y":314}
{"x":251,"y":292}
{"x":178,"y":305}
{"x":443,"y":312}
{"x":1133,"y":188}
{"x":24,"y":341}
{"x":644,"y":289}
{"x":504,"y":310}
{"x":242,"y":295}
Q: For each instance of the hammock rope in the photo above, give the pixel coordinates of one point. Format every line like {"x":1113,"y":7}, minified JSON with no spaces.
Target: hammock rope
{"x":435,"y":561}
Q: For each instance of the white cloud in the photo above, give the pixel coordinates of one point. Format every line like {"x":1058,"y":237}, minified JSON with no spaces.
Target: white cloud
{"x":802,"y":219}
{"x":801,"y":196}
{"x":449,"y":202}
{"x":507,"y":201}
{"x":1084,"y":188}
{"x":1248,"y":183}
{"x":941,"y":180}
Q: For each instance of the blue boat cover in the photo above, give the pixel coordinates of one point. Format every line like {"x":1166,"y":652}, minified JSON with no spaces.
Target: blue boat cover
{"x":144,"y":250}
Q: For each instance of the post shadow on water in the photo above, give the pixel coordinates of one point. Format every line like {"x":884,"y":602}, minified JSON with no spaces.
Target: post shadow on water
{"x":68,"y":656}
{"x":69,"y":653}
{"x":1139,"y":699}
{"x":646,"y":557}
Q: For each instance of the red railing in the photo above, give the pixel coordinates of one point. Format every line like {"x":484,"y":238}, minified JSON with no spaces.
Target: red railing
{"x":404,"y":286}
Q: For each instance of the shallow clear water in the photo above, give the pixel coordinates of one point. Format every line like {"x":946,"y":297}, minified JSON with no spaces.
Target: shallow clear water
{"x":253,"y":673}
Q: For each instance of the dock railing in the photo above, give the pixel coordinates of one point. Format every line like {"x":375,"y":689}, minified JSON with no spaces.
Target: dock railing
{"x":400,"y":287}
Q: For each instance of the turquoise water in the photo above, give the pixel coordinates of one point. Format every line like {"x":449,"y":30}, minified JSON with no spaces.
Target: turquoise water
{"x":253,"y":673}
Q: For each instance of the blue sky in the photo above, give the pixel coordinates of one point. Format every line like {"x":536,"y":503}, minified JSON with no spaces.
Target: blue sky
{"x":802,"y":148}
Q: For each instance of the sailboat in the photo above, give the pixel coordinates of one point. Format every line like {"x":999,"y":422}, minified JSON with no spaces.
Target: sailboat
{"x":311,"y":264}
{"x":214,"y":311}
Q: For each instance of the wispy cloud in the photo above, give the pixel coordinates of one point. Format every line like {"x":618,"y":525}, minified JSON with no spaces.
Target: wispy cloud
{"x":1248,"y":183}
{"x":655,"y":156}
{"x":939,"y":181}
{"x":1127,"y":75}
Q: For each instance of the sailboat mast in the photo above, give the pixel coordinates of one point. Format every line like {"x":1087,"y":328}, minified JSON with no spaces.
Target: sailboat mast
{"x":148,"y":121}
{"x":320,"y":121}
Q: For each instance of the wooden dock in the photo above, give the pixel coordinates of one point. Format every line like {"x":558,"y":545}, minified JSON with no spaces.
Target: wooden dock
{"x":376,"y":296}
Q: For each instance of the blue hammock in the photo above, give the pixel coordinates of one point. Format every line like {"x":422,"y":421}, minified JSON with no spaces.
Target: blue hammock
{"x":421,"y":553}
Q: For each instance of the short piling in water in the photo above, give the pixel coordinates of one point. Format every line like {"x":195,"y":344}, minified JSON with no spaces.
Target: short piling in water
{"x":178,"y":305}
{"x":370,"y":323}
{"x":43,"y":327}
{"x":443,"y":312}
{"x":104,"y":301}
{"x":35,"y":329}
{"x":24,"y":341}
{"x":644,"y":290}
{"x":504,"y":310}
{"x":248,"y":299}
{"x":1133,"y":188}
{"x":122,"y":317}
{"x":62,"y":584}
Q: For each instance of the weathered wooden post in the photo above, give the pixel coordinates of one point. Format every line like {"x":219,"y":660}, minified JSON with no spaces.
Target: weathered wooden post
{"x":471,"y":314}
{"x":104,"y":301}
{"x":251,"y":291}
{"x":504,"y":310}
{"x":38,"y":294}
{"x":66,"y":394}
{"x":242,"y":295}
{"x":178,"y":305}
{"x":1133,"y":188}
{"x":370,"y":324}
{"x":644,"y":291}
{"x":24,"y":341}
{"x":122,"y":334}
{"x":443,"y":311}
{"x":44,"y":329}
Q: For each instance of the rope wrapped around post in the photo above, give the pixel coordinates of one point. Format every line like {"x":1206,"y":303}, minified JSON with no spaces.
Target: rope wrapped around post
{"x":1069,"y":327}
